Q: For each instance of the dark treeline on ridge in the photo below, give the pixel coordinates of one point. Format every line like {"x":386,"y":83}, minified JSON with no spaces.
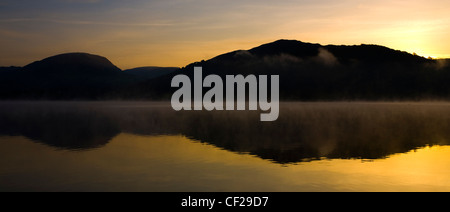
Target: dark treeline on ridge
{"x":307,"y":72}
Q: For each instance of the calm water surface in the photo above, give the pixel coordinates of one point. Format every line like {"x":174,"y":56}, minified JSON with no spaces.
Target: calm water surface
{"x":146,"y":146}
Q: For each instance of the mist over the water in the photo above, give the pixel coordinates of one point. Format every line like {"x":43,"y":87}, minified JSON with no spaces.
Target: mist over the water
{"x":304,"y":131}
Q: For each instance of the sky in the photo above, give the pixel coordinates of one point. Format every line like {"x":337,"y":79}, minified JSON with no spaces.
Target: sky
{"x":137,"y":33}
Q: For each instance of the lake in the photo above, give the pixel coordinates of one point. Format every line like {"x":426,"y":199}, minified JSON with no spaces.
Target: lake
{"x":147,"y":146}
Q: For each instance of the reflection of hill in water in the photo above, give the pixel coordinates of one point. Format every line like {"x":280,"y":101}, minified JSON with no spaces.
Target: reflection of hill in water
{"x":303,"y":132}
{"x":67,"y":128}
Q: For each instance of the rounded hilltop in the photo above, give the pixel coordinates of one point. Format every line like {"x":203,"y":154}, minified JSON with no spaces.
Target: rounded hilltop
{"x":73,"y":63}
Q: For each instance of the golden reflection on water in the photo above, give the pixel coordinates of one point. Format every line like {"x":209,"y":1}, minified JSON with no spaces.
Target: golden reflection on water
{"x":175,"y":163}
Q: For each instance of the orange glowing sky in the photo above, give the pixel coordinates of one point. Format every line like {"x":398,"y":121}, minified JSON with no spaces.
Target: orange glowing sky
{"x":177,"y":32}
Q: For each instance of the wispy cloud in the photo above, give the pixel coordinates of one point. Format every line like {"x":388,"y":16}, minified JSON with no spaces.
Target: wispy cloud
{"x":80,"y":22}
{"x":82,"y":1}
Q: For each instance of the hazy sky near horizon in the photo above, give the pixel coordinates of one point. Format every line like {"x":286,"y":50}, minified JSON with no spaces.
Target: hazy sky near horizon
{"x":137,"y":33}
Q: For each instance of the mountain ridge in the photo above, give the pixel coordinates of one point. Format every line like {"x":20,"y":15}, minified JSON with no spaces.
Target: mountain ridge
{"x":307,"y":71}
{"x":292,"y":47}
{"x":314,"y":72}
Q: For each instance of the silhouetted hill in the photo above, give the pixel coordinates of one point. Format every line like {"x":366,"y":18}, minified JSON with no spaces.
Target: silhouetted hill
{"x":150,"y":72}
{"x":315,"y":72}
{"x":65,"y":76}
{"x":73,"y":63}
